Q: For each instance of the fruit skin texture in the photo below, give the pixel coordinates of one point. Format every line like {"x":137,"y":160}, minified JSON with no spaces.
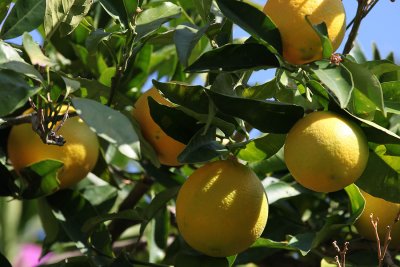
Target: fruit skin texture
{"x":324,"y":152}
{"x":386,"y":212}
{"x":79,"y":154}
{"x":222,"y":208}
{"x":301,"y":43}
{"x":167,"y":148}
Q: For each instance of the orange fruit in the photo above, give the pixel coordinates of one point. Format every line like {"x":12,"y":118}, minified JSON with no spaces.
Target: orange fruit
{"x":386,"y":211}
{"x":301,"y":44}
{"x":222,"y":208}
{"x":325,"y":152}
{"x":79,"y":154}
{"x":166,"y":147}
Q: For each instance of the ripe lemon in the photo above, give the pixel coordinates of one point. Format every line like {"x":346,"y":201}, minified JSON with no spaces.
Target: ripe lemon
{"x":222,"y":208}
{"x":386,"y":212}
{"x":166,"y":147}
{"x":301,"y":43}
{"x":325,"y":152}
{"x":79,"y":153}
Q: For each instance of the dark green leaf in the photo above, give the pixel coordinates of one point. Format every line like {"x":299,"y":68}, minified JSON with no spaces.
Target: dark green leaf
{"x":302,"y":242}
{"x":173,"y":122}
{"x":110,"y":125}
{"x":6,"y":182}
{"x":14,"y":91}
{"x":262,"y":148}
{"x":185,"y":39}
{"x":4,"y":262}
{"x":184,"y":260}
{"x":78,"y":261}
{"x":189,"y":96}
{"x":40,"y":179}
{"x":92,"y":223}
{"x":253,"y":21}
{"x":117,"y":10}
{"x":162,"y":228}
{"x":64,"y":15}
{"x":357,"y":53}
{"x":159,"y":202}
{"x":235,"y":57}
{"x":25,"y":16}
{"x":203,"y":7}
{"x":95,"y":38}
{"x":4,"y":7}
{"x":34,"y":52}
{"x":266,"y":116}
{"x":102,"y":197}
{"x":337,"y":78}
{"x":261,"y":91}
{"x":202,"y":147}
{"x":151,"y":19}
{"x":381,"y":178}
{"x":72,"y":211}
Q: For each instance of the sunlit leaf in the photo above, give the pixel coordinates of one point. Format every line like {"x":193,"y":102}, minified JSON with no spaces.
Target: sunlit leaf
{"x":110,"y":125}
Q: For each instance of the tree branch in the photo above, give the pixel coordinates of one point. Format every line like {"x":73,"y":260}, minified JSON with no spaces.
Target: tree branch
{"x":27,"y":118}
{"x":117,"y":227}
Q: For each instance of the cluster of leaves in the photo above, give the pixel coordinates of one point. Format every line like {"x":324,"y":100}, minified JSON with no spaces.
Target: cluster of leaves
{"x":100,"y":55}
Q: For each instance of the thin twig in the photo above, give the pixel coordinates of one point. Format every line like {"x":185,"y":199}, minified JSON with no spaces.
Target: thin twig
{"x":27,"y":118}
{"x":341,"y":258}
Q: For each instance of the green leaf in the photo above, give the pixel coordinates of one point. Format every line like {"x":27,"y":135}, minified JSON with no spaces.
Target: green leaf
{"x":162,"y":228}
{"x":203,"y":8}
{"x":40,"y":179}
{"x":7,"y":182}
{"x":159,"y":202}
{"x":277,"y":190}
{"x":184,"y":260}
{"x":72,"y":211}
{"x":35,"y":53}
{"x":14,"y":91}
{"x":118,"y":10}
{"x":64,"y":15}
{"x":262,"y":148}
{"x":337,"y":78}
{"x":151,"y":19}
{"x":102,"y":197}
{"x":4,"y":7}
{"x":381,"y":178}
{"x":25,"y":16}
{"x":322,"y":32}
{"x":4,"y":262}
{"x":235,"y":57}
{"x":110,"y":125}
{"x":10,"y":59}
{"x":130,"y":215}
{"x":266,"y":116}
{"x":175,"y":123}
{"x":302,"y":242}
{"x":391,"y":96}
{"x":366,"y":82}
{"x":357,"y":202}
{"x":78,"y":261}
{"x":202,"y":147}
{"x":185,"y":39}
{"x":253,"y":21}
{"x":95,"y":38}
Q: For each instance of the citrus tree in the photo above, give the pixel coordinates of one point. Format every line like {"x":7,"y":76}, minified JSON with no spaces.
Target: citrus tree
{"x":131,"y":134}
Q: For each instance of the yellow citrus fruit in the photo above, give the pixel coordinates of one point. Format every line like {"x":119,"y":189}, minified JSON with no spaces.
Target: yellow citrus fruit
{"x":167,"y":148}
{"x":222,"y":208}
{"x":301,"y":43}
{"x":79,"y":153}
{"x":386,"y":212}
{"x":325,"y":152}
